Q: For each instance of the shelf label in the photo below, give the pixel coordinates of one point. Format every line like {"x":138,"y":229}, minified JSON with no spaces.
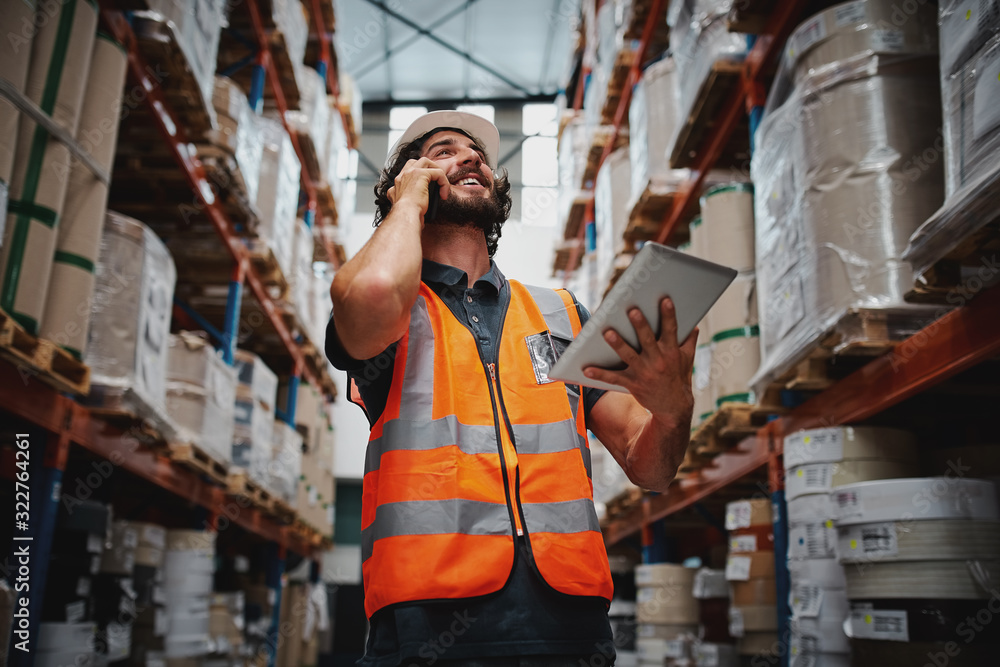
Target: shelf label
{"x":812,"y":540}
{"x":738,"y":515}
{"x":850,"y":13}
{"x":743,"y":544}
{"x":807,"y":601}
{"x":874,"y":541}
{"x":738,"y":568}
{"x":736,"y":622}
{"x":888,"y":41}
{"x":880,"y":624}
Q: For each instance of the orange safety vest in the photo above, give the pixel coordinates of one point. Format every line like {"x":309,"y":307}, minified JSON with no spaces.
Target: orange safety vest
{"x":468,"y":453}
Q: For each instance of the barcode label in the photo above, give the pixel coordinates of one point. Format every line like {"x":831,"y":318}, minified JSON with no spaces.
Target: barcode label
{"x":888,"y":41}
{"x":738,"y":515}
{"x":808,"y":34}
{"x":850,"y":13}
{"x":807,"y":601}
{"x":883,"y":625}
{"x":848,"y":505}
{"x":738,"y":568}
{"x":743,"y":544}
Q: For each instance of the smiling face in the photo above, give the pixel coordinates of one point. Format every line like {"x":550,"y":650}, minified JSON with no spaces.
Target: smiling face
{"x":462,"y":160}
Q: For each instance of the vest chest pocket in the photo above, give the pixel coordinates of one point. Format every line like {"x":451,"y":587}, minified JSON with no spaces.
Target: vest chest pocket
{"x":545,"y":349}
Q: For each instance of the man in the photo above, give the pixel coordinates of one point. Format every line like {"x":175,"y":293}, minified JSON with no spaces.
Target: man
{"x":480,"y":543}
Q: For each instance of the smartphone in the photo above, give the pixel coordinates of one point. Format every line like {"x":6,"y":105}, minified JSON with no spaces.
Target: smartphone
{"x":433,"y":199}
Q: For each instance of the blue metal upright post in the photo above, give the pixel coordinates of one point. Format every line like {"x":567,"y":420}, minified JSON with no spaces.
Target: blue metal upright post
{"x":257,"y":80}
{"x":275,"y":572}
{"x":234,"y":302}
{"x":782,"y":578}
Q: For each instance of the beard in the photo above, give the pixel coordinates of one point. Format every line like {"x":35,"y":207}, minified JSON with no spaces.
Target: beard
{"x":475,"y":211}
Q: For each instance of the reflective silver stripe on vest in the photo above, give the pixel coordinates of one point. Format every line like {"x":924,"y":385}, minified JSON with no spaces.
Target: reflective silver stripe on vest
{"x":553,"y":309}
{"x":558,"y":321}
{"x":413,"y":436}
{"x":571,"y":516}
{"x":435,"y":517}
{"x":551,"y":438}
{"x":417,"y":398}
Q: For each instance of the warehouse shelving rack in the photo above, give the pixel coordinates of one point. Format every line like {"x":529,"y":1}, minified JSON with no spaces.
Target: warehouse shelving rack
{"x":58,"y":422}
{"x":959,"y":340}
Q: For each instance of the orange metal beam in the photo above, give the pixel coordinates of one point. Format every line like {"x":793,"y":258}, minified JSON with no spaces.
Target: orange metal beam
{"x":179,"y":144}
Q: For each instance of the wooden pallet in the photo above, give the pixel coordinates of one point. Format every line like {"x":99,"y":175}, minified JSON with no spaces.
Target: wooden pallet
{"x":230,"y":186}
{"x":623,"y":502}
{"x":195,"y":458}
{"x":239,"y":485}
{"x":727,"y":426}
{"x":859,"y":335}
{"x":268,"y":269}
{"x":160,"y":47}
{"x":39,"y":358}
{"x":233,"y":49}
{"x":577,"y":211}
{"x":616,"y":85}
{"x":721,"y":83}
{"x":327,"y":205}
{"x":597,"y":145}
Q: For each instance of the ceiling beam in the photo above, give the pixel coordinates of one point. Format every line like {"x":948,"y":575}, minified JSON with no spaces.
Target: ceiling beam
{"x":413,"y":39}
{"x":451,"y":102}
{"x":437,"y":40}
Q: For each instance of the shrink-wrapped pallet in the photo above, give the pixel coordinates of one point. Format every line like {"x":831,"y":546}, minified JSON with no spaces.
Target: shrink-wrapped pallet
{"x":652,"y":119}
{"x":130,"y":320}
{"x":278,"y":195}
{"x":836,"y":200}
{"x":237,"y":134}
{"x":611,"y":212}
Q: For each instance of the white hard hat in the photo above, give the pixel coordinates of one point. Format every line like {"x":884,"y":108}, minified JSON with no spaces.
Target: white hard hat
{"x":475,"y":126}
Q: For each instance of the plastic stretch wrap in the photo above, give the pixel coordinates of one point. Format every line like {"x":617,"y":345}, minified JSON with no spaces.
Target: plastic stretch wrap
{"x":130,"y":320}
{"x":699,"y":38}
{"x":964,"y":27}
{"x":278,"y":196}
{"x":838,"y":197}
{"x":971,"y":99}
{"x":652,"y":117}
{"x":198,"y":26}
{"x":291,"y":22}
{"x":350,"y":102}
{"x":313,"y":117}
{"x":300,"y":277}
{"x":594,"y":96}
{"x":201,"y":395}
{"x":256,"y":393}
{"x":237,"y":132}
{"x":285,"y":463}
{"x":611,"y":211}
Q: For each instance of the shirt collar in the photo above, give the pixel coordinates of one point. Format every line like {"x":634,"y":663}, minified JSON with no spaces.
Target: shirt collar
{"x":454,"y":277}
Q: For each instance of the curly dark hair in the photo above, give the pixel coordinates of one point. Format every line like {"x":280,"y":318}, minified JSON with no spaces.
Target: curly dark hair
{"x":411,"y":151}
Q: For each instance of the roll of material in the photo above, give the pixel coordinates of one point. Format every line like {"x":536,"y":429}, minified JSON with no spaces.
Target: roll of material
{"x":805,"y":659}
{"x":936,"y":539}
{"x":822,"y":572}
{"x":872,"y":653}
{"x":697,"y":228}
{"x":736,"y":308}
{"x":664,"y":632}
{"x":710,"y":584}
{"x":811,"y":602}
{"x":746,"y":513}
{"x":15,"y":54}
{"x":710,"y":654}
{"x":905,"y":620}
{"x":863,"y":27}
{"x":822,"y":635}
{"x":655,"y":651}
{"x":735,"y":359}
{"x":66,"y":317}
{"x":824,"y":477}
{"x":754,"y":592}
{"x":701,"y":384}
{"x":759,"y":643}
{"x":755,"y":538}
{"x":665,"y":575}
{"x":944,"y":579}
{"x":666,"y":606}
{"x":727,"y":214}
{"x":652,"y":119}
{"x":191,"y":540}
{"x":756,"y":618}
{"x":812,"y":540}
{"x":832,"y":445}
{"x":918,"y":499}
{"x":60,"y":59}
{"x":754,"y":565}
{"x":811,"y":509}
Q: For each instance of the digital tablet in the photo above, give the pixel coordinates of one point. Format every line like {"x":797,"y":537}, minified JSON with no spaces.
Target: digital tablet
{"x":656,"y":272}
